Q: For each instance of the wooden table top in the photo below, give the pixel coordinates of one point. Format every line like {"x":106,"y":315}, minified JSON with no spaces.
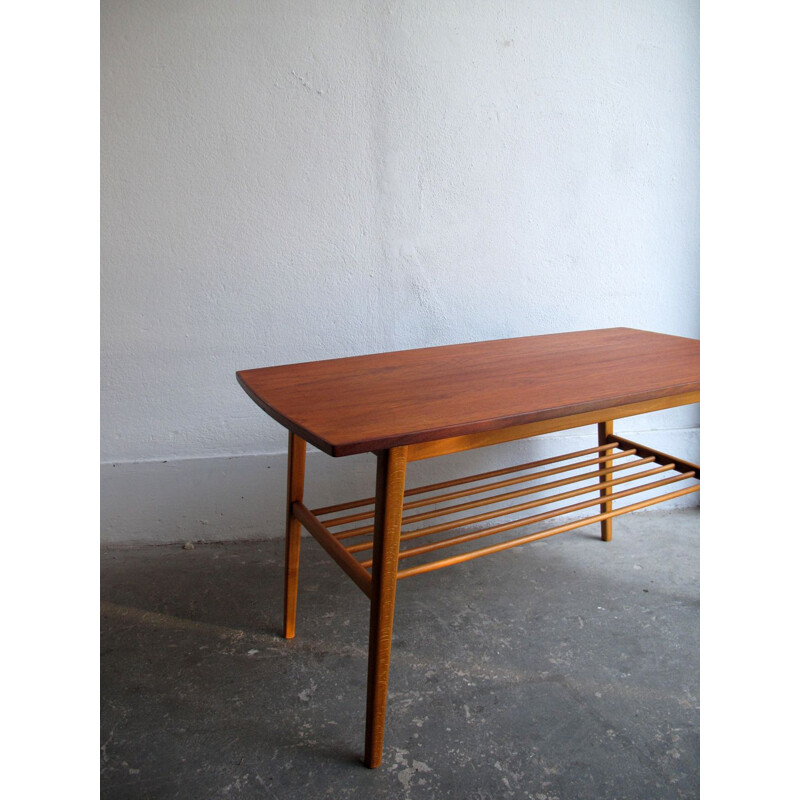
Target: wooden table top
{"x":352,"y":405}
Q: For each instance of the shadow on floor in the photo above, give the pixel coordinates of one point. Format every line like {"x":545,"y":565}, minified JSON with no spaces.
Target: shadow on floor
{"x":563,"y":669}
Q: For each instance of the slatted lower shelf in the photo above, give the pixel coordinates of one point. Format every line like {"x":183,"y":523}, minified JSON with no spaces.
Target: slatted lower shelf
{"x":557,"y":487}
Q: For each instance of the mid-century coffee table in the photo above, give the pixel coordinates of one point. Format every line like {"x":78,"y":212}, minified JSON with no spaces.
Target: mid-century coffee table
{"x":417,"y":404}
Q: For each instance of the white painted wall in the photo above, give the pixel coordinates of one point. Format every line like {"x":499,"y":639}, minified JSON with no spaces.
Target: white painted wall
{"x":290,"y":181}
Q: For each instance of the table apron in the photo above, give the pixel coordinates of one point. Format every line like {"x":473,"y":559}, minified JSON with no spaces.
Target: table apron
{"x":456,"y":444}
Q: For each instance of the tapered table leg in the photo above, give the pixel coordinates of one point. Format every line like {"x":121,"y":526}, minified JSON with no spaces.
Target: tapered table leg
{"x":390,"y":484}
{"x":604,"y":432}
{"x":294,"y":492}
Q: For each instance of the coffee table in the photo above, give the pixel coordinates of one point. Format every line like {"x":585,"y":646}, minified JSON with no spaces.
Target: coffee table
{"x":411,"y":405}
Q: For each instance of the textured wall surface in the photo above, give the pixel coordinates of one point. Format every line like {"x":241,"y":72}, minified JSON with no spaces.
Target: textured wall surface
{"x":289,"y":181}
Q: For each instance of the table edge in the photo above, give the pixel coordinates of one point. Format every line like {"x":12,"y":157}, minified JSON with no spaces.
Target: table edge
{"x":341,"y":449}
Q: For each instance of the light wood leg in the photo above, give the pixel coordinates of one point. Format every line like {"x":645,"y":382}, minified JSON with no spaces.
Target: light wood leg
{"x":294,"y":492}
{"x":390,"y":484}
{"x":605,"y":430}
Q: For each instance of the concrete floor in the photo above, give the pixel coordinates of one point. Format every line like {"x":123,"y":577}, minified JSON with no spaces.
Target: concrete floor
{"x":567,"y":668}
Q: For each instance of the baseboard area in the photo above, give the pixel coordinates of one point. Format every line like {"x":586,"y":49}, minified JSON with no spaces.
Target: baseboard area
{"x":229,"y":498}
{"x":212,"y":499}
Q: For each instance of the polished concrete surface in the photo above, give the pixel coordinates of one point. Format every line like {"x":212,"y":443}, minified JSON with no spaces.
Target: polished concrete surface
{"x":566,"y":668}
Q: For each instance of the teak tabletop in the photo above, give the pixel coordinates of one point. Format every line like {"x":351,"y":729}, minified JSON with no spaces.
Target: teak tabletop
{"x":418,"y":404}
{"x":352,"y":405}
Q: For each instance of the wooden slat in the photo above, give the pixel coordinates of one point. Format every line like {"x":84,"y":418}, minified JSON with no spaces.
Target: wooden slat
{"x":335,"y":550}
{"x":498,"y":498}
{"x":432,"y":487}
{"x":662,"y":458}
{"x":466,"y":492}
{"x":502,"y":512}
{"x":496,"y":548}
{"x":543,"y":534}
{"x":468,"y":537}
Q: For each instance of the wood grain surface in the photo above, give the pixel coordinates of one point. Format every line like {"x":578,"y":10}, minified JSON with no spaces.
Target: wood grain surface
{"x":352,"y":405}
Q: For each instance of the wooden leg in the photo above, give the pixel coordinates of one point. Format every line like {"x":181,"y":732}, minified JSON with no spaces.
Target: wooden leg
{"x":294,"y":492}
{"x":390,"y":484}
{"x":605,"y":430}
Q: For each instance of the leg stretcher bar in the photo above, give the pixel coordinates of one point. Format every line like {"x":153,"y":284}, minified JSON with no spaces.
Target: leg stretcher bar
{"x":617,"y":469}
